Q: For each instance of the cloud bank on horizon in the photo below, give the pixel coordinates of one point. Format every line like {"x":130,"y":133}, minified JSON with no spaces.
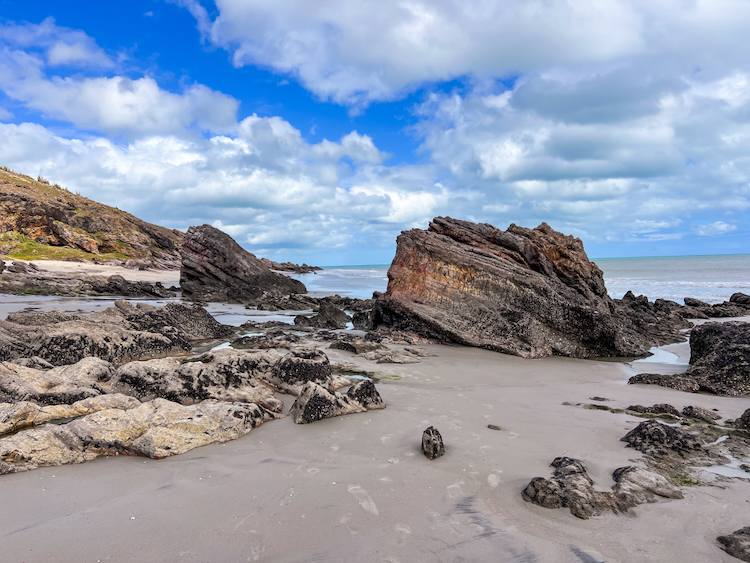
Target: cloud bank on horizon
{"x":624,"y":122}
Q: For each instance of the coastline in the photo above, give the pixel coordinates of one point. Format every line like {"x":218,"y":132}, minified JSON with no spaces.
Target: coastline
{"x":357,"y":486}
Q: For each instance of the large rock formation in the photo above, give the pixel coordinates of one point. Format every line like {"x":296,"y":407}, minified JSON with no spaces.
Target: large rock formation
{"x":119,"y":334}
{"x":528,"y":292}
{"x":216,"y":268}
{"x":719,"y":362}
{"x":737,"y":544}
{"x":42,"y":221}
{"x":571,"y":487}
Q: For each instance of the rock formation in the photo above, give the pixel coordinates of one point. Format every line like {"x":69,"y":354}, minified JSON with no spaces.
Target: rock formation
{"x":719,"y":362}
{"x":43,"y":221}
{"x":216,"y":268}
{"x":315,"y":402}
{"x":23,"y":279}
{"x":658,"y":439}
{"x":528,"y":292}
{"x":118,"y":334}
{"x":737,"y":544}
{"x":328,"y":316}
{"x":571,"y":487}
{"x":432,"y":443}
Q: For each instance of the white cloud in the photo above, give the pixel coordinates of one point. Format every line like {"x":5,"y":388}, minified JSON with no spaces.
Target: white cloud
{"x":62,"y":46}
{"x":354,"y":53}
{"x":715,"y":228}
{"x":115,"y":104}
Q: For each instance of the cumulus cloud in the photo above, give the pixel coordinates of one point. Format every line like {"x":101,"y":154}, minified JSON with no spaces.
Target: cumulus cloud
{"x":329,"y":45}
{"x":275,"y":192}
{"x":715,"y":228}
{"x":61,"y":46}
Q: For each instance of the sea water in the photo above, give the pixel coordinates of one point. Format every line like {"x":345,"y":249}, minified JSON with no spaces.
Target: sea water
{"x":710,"y":278}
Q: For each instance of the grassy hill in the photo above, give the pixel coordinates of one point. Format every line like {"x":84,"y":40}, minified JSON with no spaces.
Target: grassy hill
{"x":41,"y":221}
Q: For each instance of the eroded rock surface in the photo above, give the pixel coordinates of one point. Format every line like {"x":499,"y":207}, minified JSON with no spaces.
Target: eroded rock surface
{"x":719,"y":361}
{"x":328,"y":316}
{"x":571,"y":487}
{"x":737,"y":544}
{"x":118,"y":334}
{"x":216,"y":268}
{"x":528,"y":292}
{"x":155,"y":429}
{"x":315,"y":402}
{"x":659,"y":439}
{"x":432,"y":443}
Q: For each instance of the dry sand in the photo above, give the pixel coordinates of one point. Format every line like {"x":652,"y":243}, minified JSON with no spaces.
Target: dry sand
{"x":357,"y":488}
{"x":166,"y":277}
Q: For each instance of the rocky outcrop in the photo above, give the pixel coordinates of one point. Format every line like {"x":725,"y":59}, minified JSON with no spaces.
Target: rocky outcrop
{"x":328,"y":316}
{"x":25,"y":414}
{"x":658,"y":439}
{"x":216,"y":268}
{"x":290,"y":267}
{"x":155,"y":429}
{"x":315,"y":402}
{"x":719,"y":362}
{"x":43,"y":221}
{"x":737,"y":544}
{"x":528,"y":292}
{"x":571,"y":487}
{"x":743,"y":422}
{"x":737,"y":306}
{"x":656,"y":410}
{"x":699,"y":413}
{"x":118,"y":334}
{"x":21,"y":279}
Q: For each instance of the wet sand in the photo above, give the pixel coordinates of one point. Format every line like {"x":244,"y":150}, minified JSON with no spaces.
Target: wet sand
{"x":357,"y":488}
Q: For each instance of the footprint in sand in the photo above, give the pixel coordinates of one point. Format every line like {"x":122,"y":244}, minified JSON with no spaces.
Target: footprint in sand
{"x":364,"y":499}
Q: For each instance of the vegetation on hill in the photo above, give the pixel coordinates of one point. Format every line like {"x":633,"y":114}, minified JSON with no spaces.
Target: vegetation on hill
{"x":42,"y":221}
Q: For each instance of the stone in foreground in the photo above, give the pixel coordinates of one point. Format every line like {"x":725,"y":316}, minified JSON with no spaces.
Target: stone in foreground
{"x":315,"y":402}
{"x":571,"y":487}
{"x":737,"y":544}
{"x":527,"y":292}
{"x":432,"y":443}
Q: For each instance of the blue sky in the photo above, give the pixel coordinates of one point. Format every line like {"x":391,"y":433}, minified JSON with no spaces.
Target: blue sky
{"x":318,"y":131}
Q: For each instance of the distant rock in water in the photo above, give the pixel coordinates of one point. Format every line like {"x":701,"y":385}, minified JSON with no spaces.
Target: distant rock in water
{"x":528,"y":292}
{"x":216,"y":268}
{"x":719,"y":362}
{"x":290,"y":267}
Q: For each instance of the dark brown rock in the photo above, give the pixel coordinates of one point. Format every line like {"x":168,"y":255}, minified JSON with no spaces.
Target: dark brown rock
{"x":528,"y":292}
{"x":365,"y":393}
{"x":658,"y":439}
{"x":740,"y":299}
{"x":719,"y":358}
{"x":328,"y":316}
{"x":737,"y":544}
{"x":743,"y":422}
{"x":699,"y":413}
{"x":661,"y":408}
{"x":216,"y":268}
{"x":432,"y":443}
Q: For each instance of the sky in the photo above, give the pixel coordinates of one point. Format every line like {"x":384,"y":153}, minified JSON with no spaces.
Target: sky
{"x":317,"y":131}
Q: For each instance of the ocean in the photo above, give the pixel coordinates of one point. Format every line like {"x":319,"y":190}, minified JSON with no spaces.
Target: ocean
{"x":710,"y":278}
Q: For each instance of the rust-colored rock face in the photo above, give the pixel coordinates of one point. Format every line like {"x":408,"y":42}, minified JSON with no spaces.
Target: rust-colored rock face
{"x":528,"y":292}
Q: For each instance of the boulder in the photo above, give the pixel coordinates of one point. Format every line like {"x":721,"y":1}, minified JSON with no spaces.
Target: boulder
{"x":25,"y":414}
{"x":700,"y":413}
{"x":528,"y":292}
{"x":432,"y":443}
{"x":740,"y":299}
{"x":328,"y":316}
{"x":571,"y":487}
{"x":719,"y":358}
{"x":315,"y":402}
{"x":216,"y":268}
{"x":155,"y":429}
{"x":60,"y":385}
{"x":658,"y":439}
{"x":226,"y":375}
{"x":737,"y":544}
{"x":117,"y":334}
{"x":365,"y":393}
{"x":743,"y":422}
{"x":658,"y":409}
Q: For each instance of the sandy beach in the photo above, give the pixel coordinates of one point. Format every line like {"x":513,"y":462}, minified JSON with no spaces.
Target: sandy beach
{"x":358,"y":488}
{"x":78,"y":269}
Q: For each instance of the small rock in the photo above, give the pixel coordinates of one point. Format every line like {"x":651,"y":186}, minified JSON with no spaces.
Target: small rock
{"x":661,"y":408}
{"x":737,"y":544}
{"x":432,"y":443}
{"x":700,"y":414}
{"x":493,"y":427}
